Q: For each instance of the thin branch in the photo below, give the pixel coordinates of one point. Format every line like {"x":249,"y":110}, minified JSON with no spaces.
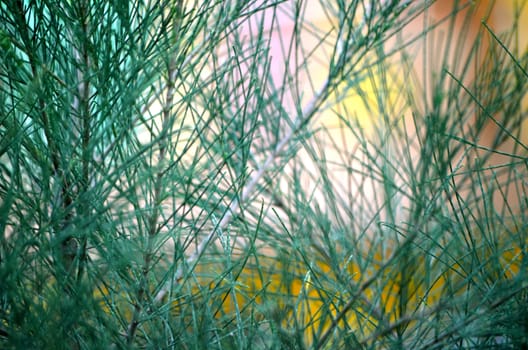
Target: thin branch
{"x":158,"y":185}
{"x":362,"y":288}
{"x":302,"y":120}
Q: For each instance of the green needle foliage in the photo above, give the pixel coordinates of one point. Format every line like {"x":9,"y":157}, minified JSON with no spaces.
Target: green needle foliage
{"x":234,"y":175}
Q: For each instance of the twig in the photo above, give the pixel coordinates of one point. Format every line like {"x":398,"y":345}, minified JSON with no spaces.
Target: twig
{"x":156,"y":197}
{"x":307,"y":114}
{"x":362,"y":288}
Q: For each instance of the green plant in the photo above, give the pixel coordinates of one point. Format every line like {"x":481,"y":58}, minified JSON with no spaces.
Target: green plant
{"x":176,"y":174}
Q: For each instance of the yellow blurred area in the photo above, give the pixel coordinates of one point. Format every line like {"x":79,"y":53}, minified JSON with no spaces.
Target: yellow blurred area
{"x":312,"y":299}
{"x":381,"y":89}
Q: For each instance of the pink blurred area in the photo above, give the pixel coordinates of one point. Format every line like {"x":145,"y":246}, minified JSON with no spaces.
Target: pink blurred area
{"x":303,"y":48}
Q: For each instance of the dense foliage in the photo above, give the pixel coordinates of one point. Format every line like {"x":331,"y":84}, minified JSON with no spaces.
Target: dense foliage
{"x":236,"y":175}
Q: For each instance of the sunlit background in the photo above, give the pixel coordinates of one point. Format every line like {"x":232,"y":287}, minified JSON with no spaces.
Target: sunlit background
{"x":375,"y":93}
